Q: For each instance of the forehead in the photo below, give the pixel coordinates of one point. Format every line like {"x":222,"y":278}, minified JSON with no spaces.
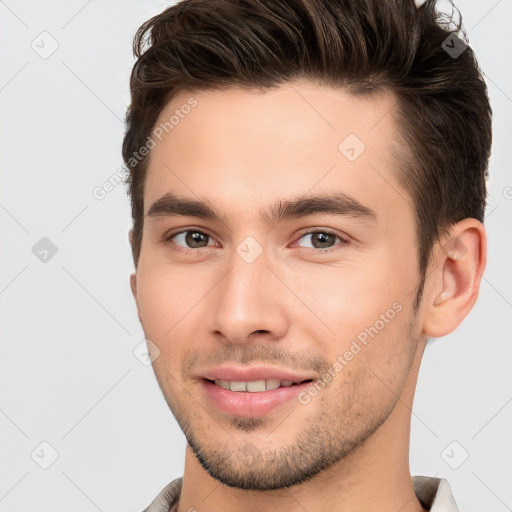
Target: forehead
{"x":239,"y":147}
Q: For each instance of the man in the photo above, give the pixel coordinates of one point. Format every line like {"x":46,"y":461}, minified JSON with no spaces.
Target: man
{"x":307,"y":181}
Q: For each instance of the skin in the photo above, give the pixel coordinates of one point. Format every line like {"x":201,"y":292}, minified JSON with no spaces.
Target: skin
{"x":294,"y":307}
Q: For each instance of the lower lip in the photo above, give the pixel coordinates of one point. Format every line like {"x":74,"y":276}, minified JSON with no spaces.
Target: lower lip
{"x":247,"y":404}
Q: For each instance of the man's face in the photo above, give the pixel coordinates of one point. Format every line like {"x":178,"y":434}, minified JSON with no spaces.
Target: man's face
{"x":298,"y":294}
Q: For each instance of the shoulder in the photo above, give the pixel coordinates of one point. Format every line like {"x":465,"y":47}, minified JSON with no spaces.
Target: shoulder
{"x":434,"y":494}
{"x":167,"y":499}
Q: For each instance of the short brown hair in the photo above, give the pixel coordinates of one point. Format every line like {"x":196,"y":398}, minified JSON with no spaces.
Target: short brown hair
{"x":360,"y":45}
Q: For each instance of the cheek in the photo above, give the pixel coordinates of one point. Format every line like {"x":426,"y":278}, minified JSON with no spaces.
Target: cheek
{"x":345,"y":299}
{"x":164,"y":295}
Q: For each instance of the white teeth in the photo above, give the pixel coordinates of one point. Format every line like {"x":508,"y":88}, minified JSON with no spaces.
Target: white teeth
{"x":222,"y":383}
{"x":253,"y":386}
{"x":238,"y":385}
{"x":273,"y":383}
{"x":257,"y":385}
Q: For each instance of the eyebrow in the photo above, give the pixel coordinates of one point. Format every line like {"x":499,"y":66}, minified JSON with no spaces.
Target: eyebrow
{"x":334,"y":203}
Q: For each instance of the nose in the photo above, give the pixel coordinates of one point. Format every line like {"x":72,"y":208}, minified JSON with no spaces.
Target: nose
{"x":250,"y":303}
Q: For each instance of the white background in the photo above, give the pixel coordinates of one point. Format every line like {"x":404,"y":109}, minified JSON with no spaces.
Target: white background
{"x":69,"y":327}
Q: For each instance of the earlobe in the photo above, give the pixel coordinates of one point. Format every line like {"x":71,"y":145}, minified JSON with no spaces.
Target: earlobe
{"x":460,"y":260}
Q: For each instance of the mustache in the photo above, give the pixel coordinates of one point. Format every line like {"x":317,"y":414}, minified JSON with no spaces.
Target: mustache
{"x":255,"y":354}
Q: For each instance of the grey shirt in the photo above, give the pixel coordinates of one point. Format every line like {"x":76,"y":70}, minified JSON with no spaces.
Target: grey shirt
{"x":434,"y":494}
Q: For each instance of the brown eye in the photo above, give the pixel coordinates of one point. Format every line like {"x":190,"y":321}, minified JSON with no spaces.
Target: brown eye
{"x":321,"y":239}
{"x":190,"y":239}
{"x":196,"y":239}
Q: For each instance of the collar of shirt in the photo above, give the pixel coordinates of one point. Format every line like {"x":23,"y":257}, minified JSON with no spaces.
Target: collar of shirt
{"x":434,"y":494}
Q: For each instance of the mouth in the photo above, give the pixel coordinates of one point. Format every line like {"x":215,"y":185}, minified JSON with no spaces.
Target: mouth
{"x":256,"y":386}
{"x":249,"y":399}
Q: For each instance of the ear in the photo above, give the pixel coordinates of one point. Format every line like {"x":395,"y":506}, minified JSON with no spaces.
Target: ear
{"x":454,"y":278}
{"x":133,"y":286}
{"x":133,"y":278}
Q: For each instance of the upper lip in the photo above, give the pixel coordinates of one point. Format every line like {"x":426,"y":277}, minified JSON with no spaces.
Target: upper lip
{"x":252,"y":373}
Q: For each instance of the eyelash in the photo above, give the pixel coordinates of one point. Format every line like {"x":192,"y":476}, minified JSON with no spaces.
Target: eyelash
{"x":167,"y":240}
